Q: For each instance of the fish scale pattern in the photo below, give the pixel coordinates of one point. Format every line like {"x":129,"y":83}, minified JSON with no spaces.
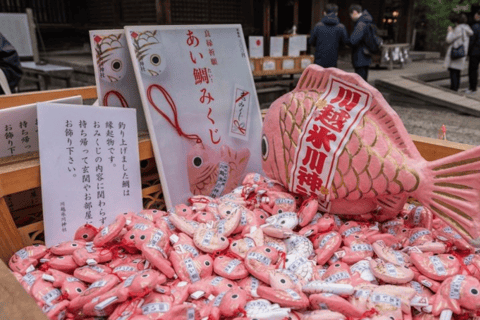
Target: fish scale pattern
{"x":293,"y":114}
{"x":368,"y":169}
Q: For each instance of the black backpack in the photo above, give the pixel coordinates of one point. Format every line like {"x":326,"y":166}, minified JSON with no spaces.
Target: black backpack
{"x":372,"y":41}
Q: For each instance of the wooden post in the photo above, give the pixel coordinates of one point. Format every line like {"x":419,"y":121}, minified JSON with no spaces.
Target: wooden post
{"x":275,"y":18}
{"x":11,"y":240}
{"x":164,"y":13}
{"x":33,"y":35}
{"x":266,"y":26}
{"x":295,"y":13}
{"x":318,"y":7}
{"x":410,"y":22}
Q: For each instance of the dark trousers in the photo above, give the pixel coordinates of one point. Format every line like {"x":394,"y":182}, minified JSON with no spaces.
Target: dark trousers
{"x":362,"y":72}
{"x":473,"y":72}
{"x":454,"y":79}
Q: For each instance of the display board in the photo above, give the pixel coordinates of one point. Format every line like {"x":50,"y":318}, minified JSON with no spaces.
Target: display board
{"x":276,"y":46}
{"x":114,"y":75}
{"x":20,"y":129}
{"x":255,"y":46}
{"x":89,"y":165}
{"x":14,"y":27}
{"x":201,"y":106}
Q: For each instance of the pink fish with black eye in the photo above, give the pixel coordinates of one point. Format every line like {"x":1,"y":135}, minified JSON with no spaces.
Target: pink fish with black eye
{"x":183,"y":224}
{"x":284,"y":279}
{"x":277,"y":202}
{"x":86,"y":233}
{"x":287,"y":298}
{"x":211,"y":285}
{"x":356,"y":248}
{"x":437,"y":267}
{"x":325,"y":245}
{"x":191,"y":269}
{"x":91,"y":274}
{"x":335,"y":137}
{"x":27,"y":258}
{"x":260,"y":261}
{"x":230,"y":268}
{"x":91,"y":255}
{"x":455,"y":293}
{"x":418,"y":217}
{"x":445,"y":233}
{"x":424,"y":240}
{"x":67,"y":247}
{"x":62,"y":263}
{"x":207,"y":170}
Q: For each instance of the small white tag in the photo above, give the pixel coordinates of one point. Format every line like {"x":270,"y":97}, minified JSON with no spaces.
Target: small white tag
{"x":268,"y":65}
{"x":288,"y":64}
{"x":240,"y":113}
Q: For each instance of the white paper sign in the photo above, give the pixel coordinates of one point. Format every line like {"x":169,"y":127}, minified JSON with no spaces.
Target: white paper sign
{"x":276,"y":46}
{"x":297,"y":44}
{"x":89,"y":164}
{"x":19,"y":127}
{"x":255,"y":46}
{"x":288,"y":64}
{"x":252,"y":65}
{"x":114,"y":75}
{"x":305,"y":63}
{"x":268,"y":65}
{"x":189,"y":77}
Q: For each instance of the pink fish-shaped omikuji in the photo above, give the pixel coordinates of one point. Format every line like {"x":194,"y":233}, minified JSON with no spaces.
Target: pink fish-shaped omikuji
{"x":335,"y":136}
{"x":210,"y":173}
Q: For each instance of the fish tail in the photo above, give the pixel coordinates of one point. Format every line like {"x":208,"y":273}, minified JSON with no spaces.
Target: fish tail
{"x":452,"y":191}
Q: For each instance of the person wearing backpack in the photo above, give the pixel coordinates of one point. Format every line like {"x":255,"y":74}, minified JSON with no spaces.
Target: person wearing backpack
{"x":327,"y":35}
{"x":361,"y":55}
{"x":458,"y":39}
{"x":474,"y":56}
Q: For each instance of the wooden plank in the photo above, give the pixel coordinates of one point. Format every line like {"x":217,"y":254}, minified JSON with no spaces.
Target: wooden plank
{"x":19,"y":99}
{"x":433,"y":149}
{"x":10,"y":238}
{"x":15,"y":303}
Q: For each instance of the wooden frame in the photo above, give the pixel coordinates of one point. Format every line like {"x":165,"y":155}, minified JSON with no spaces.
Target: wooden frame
{"x":23,"y":173}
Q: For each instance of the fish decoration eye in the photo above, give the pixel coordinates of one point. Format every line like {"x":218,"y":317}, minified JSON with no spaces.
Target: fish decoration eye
{"x":145,"y":275}
{"x":132,"y":236}
{"x":282,"y":280}
{"x":207,"y":263}
{"x":264,"y":148}
{"x":79,"y":290}
{"x":230,"y":285}
{"x":85,"y":236}
{"x":74,"y":244}
{"x":197,"y":162}
{"x":142,"y":237}
{"x":235,"y":296}
{"x":117,"y":65}
{"x":155,"y":59}
{"x":474,"y":291}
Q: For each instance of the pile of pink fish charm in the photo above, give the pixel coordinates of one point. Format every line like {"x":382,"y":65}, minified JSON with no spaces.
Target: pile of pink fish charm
{"x":258,"y":252}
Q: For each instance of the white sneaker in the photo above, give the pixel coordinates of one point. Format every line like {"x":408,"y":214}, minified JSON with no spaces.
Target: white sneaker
{"x":468,"y":91}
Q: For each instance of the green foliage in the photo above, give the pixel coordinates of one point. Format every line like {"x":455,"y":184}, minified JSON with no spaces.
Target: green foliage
{"x":437,"y":13}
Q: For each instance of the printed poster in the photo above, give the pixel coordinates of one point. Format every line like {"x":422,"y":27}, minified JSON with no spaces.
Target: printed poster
{"x":201,"y":106}
{"x":297,"y":44}
{"x":20,"y":127}
{"x":114,"y":75}
{"x":255,"y":46}
{"x":89,"y":165}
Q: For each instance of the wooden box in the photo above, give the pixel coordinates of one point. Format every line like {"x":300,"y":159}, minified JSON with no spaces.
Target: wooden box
{"x":23,"y":173}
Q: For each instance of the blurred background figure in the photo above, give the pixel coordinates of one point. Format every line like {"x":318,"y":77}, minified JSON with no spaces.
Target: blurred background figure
{"x":457,"y":37}
{"x":9,"y":64}
{"x":326,"y":36}
{"x":474,"y":54}
{"x":361,"y":57}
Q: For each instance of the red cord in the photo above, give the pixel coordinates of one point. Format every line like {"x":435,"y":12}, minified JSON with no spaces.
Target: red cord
{"x":123,"y":101}
{"x":170,"y":101}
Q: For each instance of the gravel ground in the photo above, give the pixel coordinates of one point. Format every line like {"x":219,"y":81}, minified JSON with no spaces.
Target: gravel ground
{"x":427,"y":122}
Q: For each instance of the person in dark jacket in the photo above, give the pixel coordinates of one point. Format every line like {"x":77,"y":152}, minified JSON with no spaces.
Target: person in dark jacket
{"x":474,"y":54}
{"x":9,"y":63}
{"x":327,"y":35}
{"x":361,"y":57}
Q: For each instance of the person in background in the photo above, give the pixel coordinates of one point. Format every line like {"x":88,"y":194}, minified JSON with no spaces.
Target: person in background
{"x":474,"y":54}
{"x":9,"y":63}
{"x":326,"y":36}
{"x":361,"y":57}
{"x":457,"y":36}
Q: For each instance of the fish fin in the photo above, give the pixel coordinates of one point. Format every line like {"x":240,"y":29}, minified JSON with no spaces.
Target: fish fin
{"x":313,"y":78}
{"x":450,"y":188}
{"x":391,"y":206}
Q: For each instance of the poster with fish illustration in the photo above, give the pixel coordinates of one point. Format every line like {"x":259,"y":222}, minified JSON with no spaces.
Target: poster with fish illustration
{"x":114,"y":75}
{"x":201,"y":106}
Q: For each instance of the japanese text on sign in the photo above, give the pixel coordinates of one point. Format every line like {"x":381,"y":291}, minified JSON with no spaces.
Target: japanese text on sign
{"x":329,"y":127}
{"x":240,"y":113}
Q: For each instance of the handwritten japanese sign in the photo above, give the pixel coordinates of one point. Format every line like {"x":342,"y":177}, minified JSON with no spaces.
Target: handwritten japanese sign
{"x":18,"y":128}
{"x":89,"y":166}
{"x":255,"y":46}
{"x":329,"y":127}
{"x":114,"y":75}
{"x":189,"y":101}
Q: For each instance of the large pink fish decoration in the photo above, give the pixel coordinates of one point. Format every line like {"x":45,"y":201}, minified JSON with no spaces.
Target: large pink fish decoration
{"x":336,"y":138}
